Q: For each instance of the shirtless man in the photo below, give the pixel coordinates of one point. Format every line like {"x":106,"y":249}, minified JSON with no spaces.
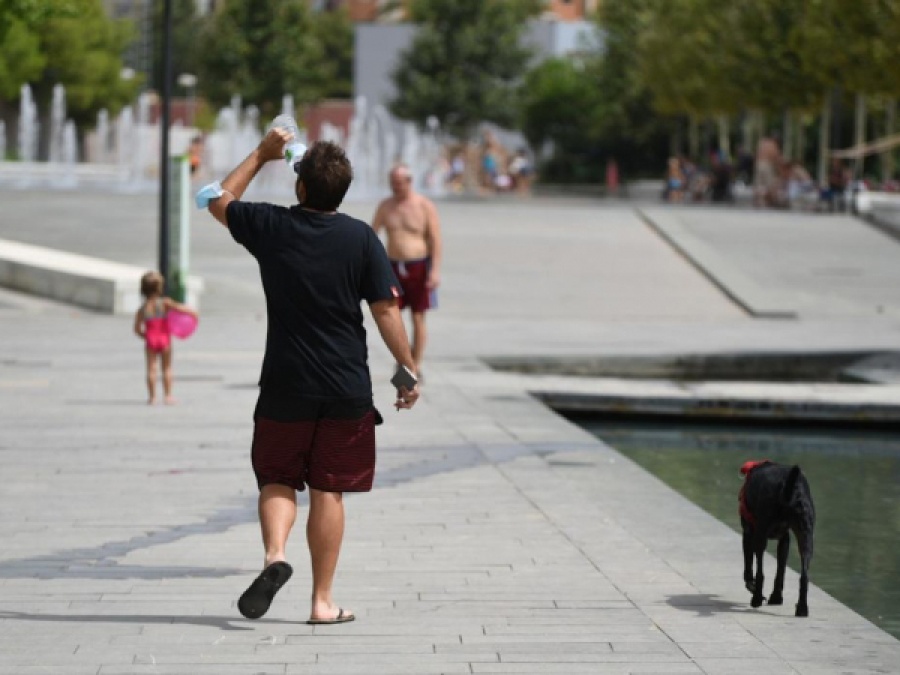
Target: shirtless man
{"x":414,"y":248}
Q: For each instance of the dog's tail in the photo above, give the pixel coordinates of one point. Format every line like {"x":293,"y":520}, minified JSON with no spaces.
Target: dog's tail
{"x":790,"y":485}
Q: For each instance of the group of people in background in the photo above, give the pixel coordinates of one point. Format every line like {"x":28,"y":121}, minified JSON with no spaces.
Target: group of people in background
{"x":771,"y":179}
{"x":491,"y":168}
{"x":686,"y":181}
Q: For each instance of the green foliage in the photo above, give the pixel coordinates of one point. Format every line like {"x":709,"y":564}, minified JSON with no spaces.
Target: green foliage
{"x":21,"y":59}
{"x":595,"y":106}
{"x":558,"y":103}
{"x":81,"y":49}
{"x":262,"y":50}
{"x":335,"y":30}
{"x":679,"y":57}
{"x":33,"y":12}
{"x":705,"y":57}
{"x":854,"y":44}
{"x":769,"y":59}
{"x":464,"y":64}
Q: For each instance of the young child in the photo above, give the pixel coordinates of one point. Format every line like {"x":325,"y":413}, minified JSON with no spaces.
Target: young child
{"x":151,"y":324}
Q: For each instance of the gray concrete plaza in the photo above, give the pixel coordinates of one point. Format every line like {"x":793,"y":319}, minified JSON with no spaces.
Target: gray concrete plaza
{"x":500,"y":538}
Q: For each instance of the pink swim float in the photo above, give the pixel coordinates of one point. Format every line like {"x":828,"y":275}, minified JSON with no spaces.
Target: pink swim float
{"x":181,"y":325}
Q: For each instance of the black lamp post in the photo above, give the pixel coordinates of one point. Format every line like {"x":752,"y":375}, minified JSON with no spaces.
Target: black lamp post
{"x":165,"y":109}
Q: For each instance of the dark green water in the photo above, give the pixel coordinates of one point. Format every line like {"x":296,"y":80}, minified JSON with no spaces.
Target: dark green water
{"x":855,"y":481}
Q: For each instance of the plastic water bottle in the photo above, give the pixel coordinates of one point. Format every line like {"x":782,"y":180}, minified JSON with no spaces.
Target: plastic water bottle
{"x":293,"y":151}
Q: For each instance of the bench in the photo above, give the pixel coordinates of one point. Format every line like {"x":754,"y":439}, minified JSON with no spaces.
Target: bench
{"x":92,"y":283}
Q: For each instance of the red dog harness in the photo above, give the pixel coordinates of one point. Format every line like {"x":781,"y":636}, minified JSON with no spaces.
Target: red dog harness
{"x":746,"y":469}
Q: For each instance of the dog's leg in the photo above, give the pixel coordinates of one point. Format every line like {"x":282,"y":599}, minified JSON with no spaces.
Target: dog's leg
{"x":784,"y":547}
{"x":760,"y":548}
{"x":805,"y":544}
{"x":748,"y":557}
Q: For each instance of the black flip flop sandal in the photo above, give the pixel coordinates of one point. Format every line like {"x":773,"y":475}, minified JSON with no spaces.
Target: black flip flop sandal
{"x":256,"y":599}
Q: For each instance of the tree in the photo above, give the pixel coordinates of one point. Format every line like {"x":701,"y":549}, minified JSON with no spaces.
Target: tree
{"x":21,"y":59}
{"x":32,"y":12}
{"x":558,"y":108}
{"x":624,"y":123}
{"x":262,"y":50}
{"x":464,"y":64}
{"x":593,"y":106}
{"x":335,"y":30}
{"x":83,"y":52}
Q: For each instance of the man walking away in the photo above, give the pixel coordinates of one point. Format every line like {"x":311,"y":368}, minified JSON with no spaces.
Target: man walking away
{"x":314,"y":423}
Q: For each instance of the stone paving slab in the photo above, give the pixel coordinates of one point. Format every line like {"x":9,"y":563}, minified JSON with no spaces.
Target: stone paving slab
{"x":789,"y":264}
{"x":499,"y":539}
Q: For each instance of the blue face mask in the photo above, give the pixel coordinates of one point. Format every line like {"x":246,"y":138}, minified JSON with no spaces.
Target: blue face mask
{"x":207,"y":193}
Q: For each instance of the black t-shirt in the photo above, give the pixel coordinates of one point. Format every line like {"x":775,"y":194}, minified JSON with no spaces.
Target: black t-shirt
{"x":316,"y":269}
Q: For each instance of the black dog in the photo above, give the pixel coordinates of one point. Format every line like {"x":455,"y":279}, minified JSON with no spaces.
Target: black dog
{"x":775,"y":501}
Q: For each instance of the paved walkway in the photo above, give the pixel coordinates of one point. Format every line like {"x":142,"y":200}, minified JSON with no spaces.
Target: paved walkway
{"x":499,"y":539}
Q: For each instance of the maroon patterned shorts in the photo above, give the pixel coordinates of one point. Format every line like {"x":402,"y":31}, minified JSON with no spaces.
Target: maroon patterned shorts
{"x":327,"y":445}
{"x":413,"y":277}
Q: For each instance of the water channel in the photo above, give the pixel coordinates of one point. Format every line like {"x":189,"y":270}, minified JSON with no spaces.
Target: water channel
{"x":855,"y":481}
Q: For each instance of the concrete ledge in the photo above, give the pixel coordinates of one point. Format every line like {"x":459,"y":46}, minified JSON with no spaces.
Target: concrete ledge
{"x":871,"y":201}
{"x":92,"y":283}
{"x":744,"y":291}
{"x":724,"y":407}
{"x":62,"y":174}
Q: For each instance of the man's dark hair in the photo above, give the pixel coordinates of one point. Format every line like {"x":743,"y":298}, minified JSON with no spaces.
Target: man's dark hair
{"x":326,"y":174}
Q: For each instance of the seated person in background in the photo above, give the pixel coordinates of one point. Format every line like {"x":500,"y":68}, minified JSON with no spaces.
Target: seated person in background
{"x":520,"y":170}
{"x":720,"y":178}
{"x":801,"y":188}
{"x":675,"y":181}
{"x":837,"y":185}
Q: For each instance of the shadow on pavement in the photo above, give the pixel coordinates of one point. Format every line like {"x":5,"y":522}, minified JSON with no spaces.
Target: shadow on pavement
{"x":705,"y":604}
{"x":222,"y":623}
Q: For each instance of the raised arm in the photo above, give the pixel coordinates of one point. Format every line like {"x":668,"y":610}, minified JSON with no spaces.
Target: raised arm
{"x":236,"y":183}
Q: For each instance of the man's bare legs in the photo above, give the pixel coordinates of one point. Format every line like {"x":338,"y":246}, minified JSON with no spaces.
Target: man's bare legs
{"x":324,"y":534}
{"x":420,"y":336}
{"x":151,"y":375}
{"x":277,"y":513}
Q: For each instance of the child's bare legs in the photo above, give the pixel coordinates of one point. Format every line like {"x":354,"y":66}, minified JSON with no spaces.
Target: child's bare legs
{"x":151,"y":375}
{"x":167,"y":375}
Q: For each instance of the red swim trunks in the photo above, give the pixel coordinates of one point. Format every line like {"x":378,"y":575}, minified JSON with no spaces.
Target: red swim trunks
{"x":413,"y":276}
{"x":328,"y":445}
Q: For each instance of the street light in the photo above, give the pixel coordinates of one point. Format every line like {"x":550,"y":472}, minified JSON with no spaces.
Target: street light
{"x":189,"y":82}
{"x":164,"y":145}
